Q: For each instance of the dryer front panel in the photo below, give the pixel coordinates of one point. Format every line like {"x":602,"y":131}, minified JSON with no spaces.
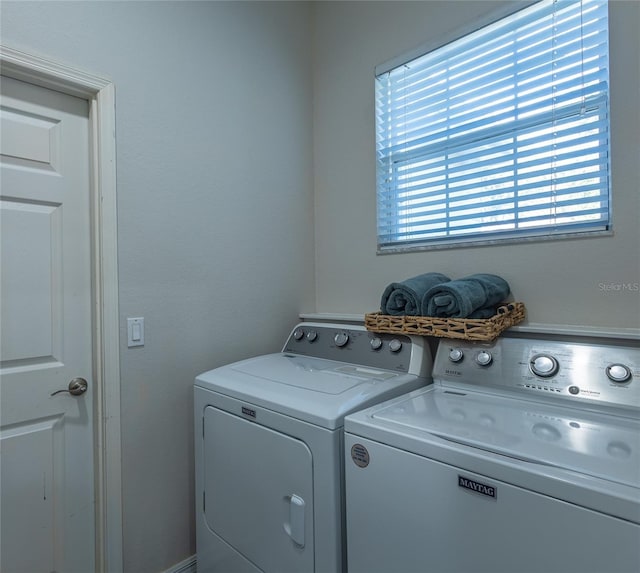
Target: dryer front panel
{"x":258,"y":486}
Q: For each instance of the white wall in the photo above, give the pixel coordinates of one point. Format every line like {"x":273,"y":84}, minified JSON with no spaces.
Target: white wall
{"x":215,"y":212}
{"x":561,"y":282}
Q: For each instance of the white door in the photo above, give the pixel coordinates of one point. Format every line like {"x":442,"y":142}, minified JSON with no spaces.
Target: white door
{"x":46,"y":447}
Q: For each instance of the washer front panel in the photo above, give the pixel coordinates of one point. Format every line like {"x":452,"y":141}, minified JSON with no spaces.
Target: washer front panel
{"x":407,"y":513}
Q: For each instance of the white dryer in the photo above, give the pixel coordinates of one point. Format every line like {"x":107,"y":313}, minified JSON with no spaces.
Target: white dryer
{"x":269,"y":445}
{"x":522,"y":456}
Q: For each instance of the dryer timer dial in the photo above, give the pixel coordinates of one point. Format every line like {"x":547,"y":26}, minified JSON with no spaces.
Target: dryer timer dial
{"x":484,"y":358}
{"x":341,"y":339}
{"x":456,"y":355}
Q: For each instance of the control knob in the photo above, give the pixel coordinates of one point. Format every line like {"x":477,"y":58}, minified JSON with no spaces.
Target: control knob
{"x":456,"y":355}
{"x":341,"y":338}
{"x":298,"y":333}
{"x":484,"y":358}
{"x":376,"y":343}
{"x":312,"y":335}
{"x":543,"y":365}
{"x":395,"y":345}
{"x":618,"y":373}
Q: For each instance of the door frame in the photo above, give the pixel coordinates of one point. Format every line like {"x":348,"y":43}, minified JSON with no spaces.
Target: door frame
{"x":100,"y":93}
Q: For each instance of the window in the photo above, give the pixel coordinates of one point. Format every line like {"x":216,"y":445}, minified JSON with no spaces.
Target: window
{"x":500,"y":135}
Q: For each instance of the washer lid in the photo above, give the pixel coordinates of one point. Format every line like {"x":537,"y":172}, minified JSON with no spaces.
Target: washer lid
{"x":316,"y":390}
{"x":599,"y":445}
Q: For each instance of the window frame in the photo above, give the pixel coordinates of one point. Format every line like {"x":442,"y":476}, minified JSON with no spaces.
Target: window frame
{"x":603,"y":228}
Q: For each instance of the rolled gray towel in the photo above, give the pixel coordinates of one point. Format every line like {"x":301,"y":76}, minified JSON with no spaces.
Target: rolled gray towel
{"x":474,"y":296}
{"x":405,"y":298}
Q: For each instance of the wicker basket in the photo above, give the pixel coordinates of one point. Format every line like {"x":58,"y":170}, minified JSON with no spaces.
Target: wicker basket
{"x":507,"y":315}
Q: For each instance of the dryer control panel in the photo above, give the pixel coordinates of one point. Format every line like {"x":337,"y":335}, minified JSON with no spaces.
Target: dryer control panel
{"x":357,"y":346}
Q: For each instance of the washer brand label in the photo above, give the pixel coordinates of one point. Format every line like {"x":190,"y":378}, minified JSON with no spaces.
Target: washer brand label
{"x":360,"y":455}
{"x":248,"y":412}
{"x":478,"y":487}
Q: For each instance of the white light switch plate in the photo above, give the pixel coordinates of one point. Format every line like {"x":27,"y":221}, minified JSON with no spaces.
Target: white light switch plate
{"x":135,"y":332}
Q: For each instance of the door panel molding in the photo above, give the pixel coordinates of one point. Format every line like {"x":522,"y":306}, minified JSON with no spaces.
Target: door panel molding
{"x":100,"y":93}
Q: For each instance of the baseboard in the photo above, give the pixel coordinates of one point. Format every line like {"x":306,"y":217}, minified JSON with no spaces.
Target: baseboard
{"x":186,"y":566}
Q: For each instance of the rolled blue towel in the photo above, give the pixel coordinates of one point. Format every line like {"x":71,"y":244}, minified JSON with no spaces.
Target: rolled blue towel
{"x":474,"y":296}
{"x":405,"y":298}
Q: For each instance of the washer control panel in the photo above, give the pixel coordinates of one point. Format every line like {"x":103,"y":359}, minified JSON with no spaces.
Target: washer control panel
{"x":588,"y":372}
{"x":356,"y":345}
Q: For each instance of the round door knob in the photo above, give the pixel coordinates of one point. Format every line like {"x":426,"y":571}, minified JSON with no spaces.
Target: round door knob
{"x":77,"y":386}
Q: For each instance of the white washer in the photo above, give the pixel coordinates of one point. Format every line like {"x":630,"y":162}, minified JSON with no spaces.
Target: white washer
{"x":269,"y":445}
{"x":523,"y":456}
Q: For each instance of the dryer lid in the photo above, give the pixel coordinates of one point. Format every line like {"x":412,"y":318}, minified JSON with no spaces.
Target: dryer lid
{"x":316,"y":390}
{"x":594,"y":444}
{"x":313,"y":374}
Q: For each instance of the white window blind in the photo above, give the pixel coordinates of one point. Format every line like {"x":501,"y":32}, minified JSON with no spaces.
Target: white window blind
{"x":500,"y":135}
